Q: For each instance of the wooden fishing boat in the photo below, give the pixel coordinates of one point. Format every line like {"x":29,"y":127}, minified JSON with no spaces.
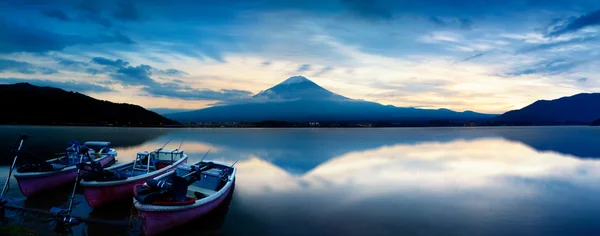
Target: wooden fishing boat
{"x":180,"y":196}
{"x":116,"y":183}
{"x":37,"y":176}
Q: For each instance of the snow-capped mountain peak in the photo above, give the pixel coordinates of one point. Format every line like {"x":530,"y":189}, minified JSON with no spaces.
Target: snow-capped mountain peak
{"x":295,"y":80}
{"x":296,"y":87}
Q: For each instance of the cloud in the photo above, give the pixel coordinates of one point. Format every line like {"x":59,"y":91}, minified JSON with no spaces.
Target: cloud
{"x":91,"y":12}
{"x":134,"y":75}
{"x":66,"y":85}
{"x":126,"y":11}
{"x":266,"y":63}
{"x":172,"y":72}
{"x":575,"y":24}
{"x":56,"y":14}
{"x":323,"y":71}
{"x":547,"y":68}
{"x":303,"y":68}
{"x":582,"y":79}
{"x":24,"y":67}
{"x":93,"y":71}
{"x":436,"y":20}
{"x":550,"y":45}
{"x":476,"y":55}
{"x":107,"y":62}
{"x":175,"y":90}
{"x":68,"y":63}
{"x":141,"y":76}
{"x":22,"y":38}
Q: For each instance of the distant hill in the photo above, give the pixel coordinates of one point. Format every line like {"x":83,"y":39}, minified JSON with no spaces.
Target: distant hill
{"x":580,"y":109}
{"x":596,"y":123}
{"x":299,"y":99}
{"x":24,"y":103}
{"x":163,"y":111}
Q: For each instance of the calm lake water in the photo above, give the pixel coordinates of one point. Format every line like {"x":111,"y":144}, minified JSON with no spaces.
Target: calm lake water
{"x":380,"y":181}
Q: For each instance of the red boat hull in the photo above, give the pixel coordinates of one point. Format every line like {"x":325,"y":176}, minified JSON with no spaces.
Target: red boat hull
{"x":157,"y":222}
{"x":99,"y":195}
{"x":32,"y":185}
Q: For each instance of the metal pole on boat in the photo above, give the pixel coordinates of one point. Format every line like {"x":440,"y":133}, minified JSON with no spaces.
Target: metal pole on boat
{"x":75,"y":185}
{"x":180,"y":144}
{"x":234,"y":163}
{"x":148,"y":164}
{"x":150,"y":155}
{"x":12,"y":167}
{"x":68,"y":219}
{"x":204,"y":156}
{"x":165,"y":144}
{"x":7,"y":183}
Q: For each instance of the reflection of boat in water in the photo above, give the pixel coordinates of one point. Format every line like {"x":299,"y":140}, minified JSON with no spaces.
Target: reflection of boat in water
{"x":116,"y":183}
{"x":179,"y":197}
{"x":105,"y":217}
{"x":36,"y":176}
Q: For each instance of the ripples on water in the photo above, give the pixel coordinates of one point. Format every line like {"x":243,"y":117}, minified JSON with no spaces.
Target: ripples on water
{"x":398,"y":181}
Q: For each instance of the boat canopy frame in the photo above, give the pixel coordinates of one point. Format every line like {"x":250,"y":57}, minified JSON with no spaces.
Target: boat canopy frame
{"x":152,"y":158}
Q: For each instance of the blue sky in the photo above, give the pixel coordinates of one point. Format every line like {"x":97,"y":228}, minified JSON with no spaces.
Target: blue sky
{"x":487,"y":56}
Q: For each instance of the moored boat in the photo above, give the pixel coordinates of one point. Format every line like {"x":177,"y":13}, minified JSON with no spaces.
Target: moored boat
{"x":116,"y":183}
{"x":37,"y":176}
{"x":178,"y":197}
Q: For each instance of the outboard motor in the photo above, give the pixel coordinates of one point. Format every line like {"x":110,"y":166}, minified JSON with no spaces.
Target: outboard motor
{"x":33,"y":163}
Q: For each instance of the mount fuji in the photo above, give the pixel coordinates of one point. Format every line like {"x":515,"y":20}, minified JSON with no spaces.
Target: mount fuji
{"x":300,"y":99}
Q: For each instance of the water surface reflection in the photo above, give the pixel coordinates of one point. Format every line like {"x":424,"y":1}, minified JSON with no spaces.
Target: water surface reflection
{"x":440,"y":181}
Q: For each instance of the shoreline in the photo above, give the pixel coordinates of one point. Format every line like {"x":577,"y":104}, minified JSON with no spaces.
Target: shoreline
{"x":235,"y":126}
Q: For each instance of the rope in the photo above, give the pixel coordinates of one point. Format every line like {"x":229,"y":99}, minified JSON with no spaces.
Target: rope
{"x":133,"y":215}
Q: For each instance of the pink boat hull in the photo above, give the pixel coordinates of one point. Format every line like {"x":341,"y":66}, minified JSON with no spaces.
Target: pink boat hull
{"x":97,"y":196}
{"x":33,"y":185}
{"x":156,"y":222}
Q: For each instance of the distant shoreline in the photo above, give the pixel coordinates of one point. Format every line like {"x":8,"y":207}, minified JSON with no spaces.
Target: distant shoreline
{"x":296,"y":125}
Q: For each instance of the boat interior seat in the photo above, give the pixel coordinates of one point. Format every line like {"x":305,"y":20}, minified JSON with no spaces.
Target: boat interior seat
{"x":144,"y":167}
{"x":161,"y":165}
{"x":199,"y":193}
{"x":58,"y":166}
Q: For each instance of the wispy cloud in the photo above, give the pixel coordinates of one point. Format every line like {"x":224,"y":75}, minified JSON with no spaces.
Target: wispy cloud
{"x":21,"y":38}
{"x":303,"y":68}
{"x":126,"y":11}
{"x":24,"y":67}
{"x":56,"y":14}
{"x":476,"y":55}
{"x":548,"y":68}
{"x":323,"y":71}
{"x":107,"y":62}
{"x":178,"y":91}
{"x":141,"y":75}
{"x":575,"y":24}
{"x":550,"y":45}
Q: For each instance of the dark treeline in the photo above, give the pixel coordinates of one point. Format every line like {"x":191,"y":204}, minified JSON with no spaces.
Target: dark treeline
{"x":27,"y":104}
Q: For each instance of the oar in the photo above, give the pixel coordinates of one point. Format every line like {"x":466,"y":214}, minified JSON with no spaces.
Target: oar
{"x":82,"y":151}
{"x":12,"y":167}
